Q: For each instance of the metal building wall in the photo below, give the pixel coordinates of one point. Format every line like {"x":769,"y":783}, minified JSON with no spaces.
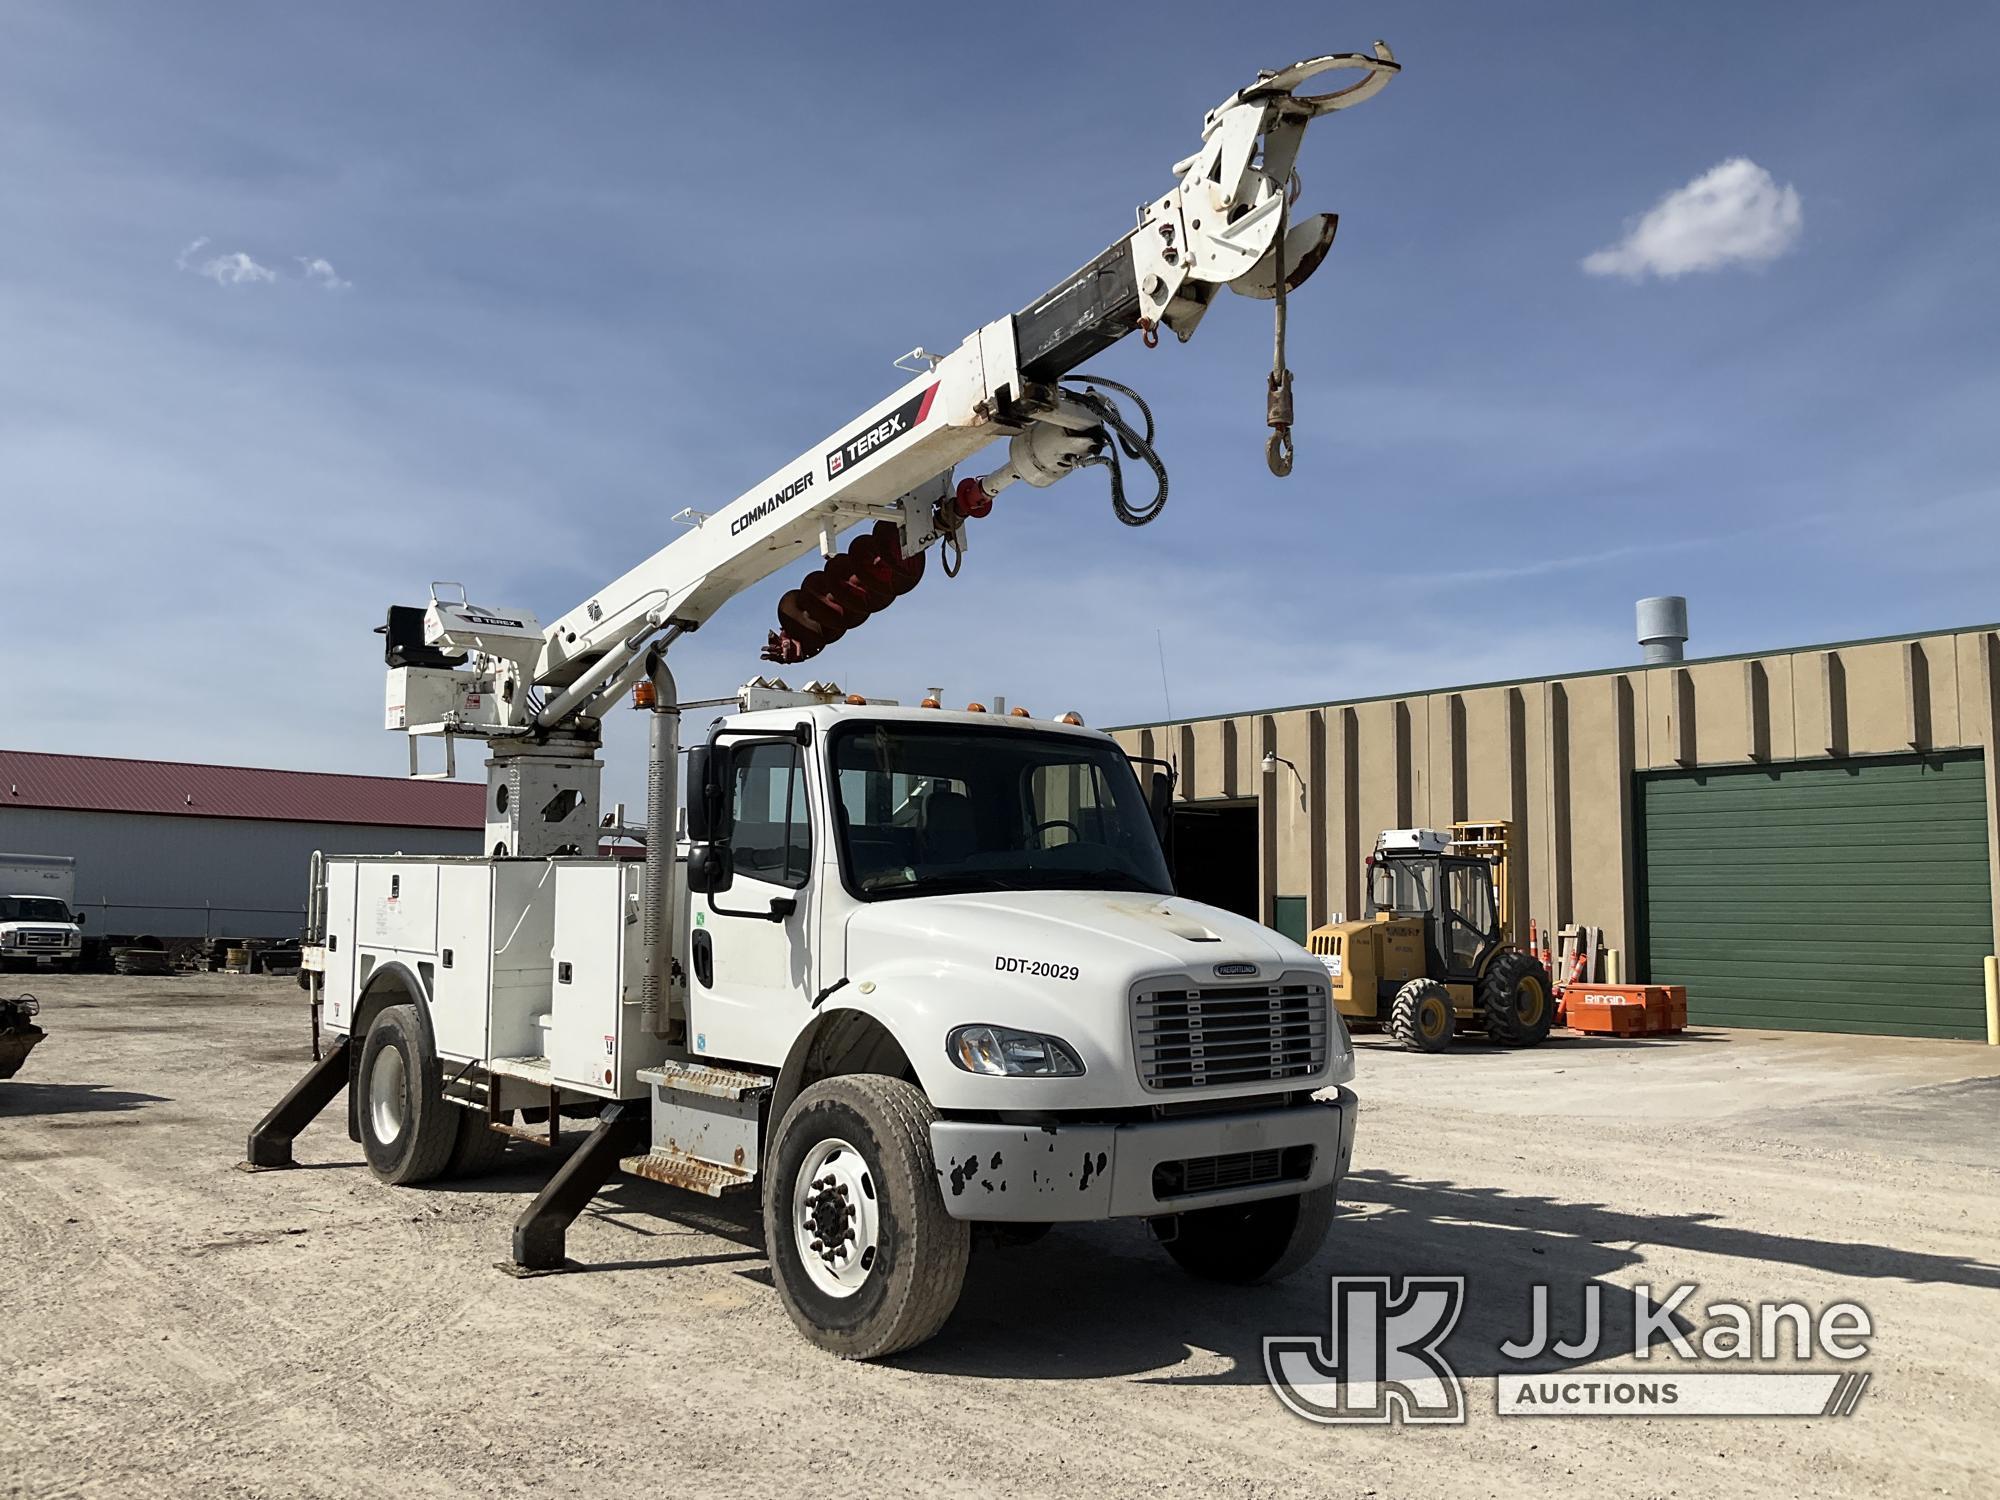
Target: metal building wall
{"x":1557,"y":758}
{"x":202,"y":877}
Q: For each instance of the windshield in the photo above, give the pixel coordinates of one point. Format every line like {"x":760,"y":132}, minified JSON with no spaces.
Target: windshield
{"x":1401,"y":885}
{"x":925,"y":810}
{"x":32,"y":909}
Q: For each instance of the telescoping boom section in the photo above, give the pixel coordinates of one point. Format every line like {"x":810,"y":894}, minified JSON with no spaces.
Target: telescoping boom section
{"x":903,"y":971}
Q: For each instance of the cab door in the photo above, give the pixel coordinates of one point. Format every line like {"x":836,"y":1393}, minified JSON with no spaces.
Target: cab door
{"x":1469,"y":923}
{"x":751,"y":970}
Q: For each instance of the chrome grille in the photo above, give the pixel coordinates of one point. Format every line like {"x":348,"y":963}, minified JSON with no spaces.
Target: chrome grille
{"x":1244,"y":1033}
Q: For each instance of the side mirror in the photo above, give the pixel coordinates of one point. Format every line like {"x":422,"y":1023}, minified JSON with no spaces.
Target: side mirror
{"x":710,"y":868}
{"x":77,"y":917}
{"x":1160,"y":801}
{"x":707,"y":765}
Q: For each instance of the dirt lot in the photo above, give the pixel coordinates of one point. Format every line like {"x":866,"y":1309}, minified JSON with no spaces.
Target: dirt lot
{"x":172,"y":1326}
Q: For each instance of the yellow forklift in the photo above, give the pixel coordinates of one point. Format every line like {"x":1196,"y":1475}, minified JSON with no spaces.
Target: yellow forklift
{"x":1436,"y":949}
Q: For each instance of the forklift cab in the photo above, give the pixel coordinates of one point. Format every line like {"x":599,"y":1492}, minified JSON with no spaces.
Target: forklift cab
{"x":1453,"y":895}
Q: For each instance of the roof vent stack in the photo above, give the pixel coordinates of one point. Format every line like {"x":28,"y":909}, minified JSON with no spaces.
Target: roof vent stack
{"x":1663,"y":628}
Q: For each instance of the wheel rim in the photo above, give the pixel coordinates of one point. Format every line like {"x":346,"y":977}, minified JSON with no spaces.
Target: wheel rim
{"x":1431,"y":1018}
{"x":1529,"y":1001}
{"x":387,"y":1084}
{"x":835,"y":1218}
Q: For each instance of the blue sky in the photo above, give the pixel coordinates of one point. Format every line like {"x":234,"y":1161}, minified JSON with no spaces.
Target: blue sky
{"x":604,"y":262}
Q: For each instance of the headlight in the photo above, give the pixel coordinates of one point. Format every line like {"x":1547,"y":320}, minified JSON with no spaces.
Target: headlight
{"x":1005,"y":1052}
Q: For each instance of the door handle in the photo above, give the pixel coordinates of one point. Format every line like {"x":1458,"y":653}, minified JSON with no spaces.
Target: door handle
{"x":703,"y":953}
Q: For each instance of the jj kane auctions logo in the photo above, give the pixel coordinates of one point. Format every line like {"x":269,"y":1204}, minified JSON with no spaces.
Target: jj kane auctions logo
{"x":1382,"y":1358}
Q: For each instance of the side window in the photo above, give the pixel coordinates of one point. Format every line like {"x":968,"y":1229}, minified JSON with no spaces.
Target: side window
{"x":1472,"y":897}
{"x":1471,"y":894}
{"x":770,"y":832}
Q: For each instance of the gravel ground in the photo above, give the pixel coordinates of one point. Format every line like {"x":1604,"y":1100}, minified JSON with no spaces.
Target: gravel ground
{"x":174,"y":1327}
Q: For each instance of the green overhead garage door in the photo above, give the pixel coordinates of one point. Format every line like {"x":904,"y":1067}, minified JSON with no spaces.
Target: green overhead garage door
{"x":1847,"y":895}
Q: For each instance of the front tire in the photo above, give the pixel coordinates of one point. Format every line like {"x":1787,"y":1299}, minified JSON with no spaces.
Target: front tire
{"x":1245,"y":1244}
{"x":865,"y":1257}
{"x":407,"y":1126}
{"x":1421,"y":1016}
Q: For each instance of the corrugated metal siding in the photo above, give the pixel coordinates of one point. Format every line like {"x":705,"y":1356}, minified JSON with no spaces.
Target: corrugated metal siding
{"x":1850,"y":895}
{"x":195,"y":877}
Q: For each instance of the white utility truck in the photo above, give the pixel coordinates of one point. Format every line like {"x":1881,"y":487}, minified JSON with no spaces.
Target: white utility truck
{"x":909,"y":970}
{"x":37,"y":924}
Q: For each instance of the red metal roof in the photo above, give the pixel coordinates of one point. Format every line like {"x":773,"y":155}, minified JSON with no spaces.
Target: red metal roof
{"x":93,"y":783}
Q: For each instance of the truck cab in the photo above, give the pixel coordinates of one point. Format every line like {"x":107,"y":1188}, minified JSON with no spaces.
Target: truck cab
{"x":990,"y":893}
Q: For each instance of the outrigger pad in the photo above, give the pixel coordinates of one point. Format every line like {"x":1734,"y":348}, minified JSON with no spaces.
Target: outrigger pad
{"x":271,"y":1142}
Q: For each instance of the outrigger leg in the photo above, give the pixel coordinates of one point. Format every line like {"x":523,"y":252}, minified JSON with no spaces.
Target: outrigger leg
{"x":271,"y":1141}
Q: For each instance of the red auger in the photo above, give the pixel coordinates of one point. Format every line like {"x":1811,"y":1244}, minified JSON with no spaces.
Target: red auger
{"x":868,"y":575}
{"x":865,"y":576}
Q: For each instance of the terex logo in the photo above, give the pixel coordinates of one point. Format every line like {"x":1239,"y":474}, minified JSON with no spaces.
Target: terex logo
{"x":885,"y":430}
{"x":763,"y":508}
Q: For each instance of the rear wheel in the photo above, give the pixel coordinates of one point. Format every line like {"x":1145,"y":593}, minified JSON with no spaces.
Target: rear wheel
{"x":1515,"y":997}
{"x":407,"y":1126}
{"x":477,"y":1147}
{"x":1421,"y":1016}
{"x":865,"y":1257}
{"x":1247,"y":1243}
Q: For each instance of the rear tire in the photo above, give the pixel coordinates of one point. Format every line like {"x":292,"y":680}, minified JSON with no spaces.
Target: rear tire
{"x":1421,"y":1016}
{"x":407,"y":1127}
{"x":1515,"y":994}
{"x":1244,"y":1244}
{"x":478,"y":1147}
{"x":852,"y":1171}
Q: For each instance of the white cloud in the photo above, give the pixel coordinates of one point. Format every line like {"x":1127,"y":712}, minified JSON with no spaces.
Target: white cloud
{"x":317,"y":268}
{"x":1733,"y":214}
{"x":233,"y":269}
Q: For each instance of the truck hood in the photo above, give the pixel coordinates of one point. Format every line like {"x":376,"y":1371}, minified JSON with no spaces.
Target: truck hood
{"x":1113,"y":937}
{"x":1065,"y":963}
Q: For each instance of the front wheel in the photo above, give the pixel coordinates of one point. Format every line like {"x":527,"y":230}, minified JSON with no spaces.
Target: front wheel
{"x":865,"y":1257}
{"x":1248,"y":1243}
{"x":1421,"y":1016}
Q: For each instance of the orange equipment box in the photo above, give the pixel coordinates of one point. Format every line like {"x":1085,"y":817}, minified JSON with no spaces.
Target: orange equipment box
{"x":1625,"y":1009}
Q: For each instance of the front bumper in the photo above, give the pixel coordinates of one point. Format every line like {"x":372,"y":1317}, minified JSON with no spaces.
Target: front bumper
{"x":45,"y":953}
{"x":1085,"y":1172}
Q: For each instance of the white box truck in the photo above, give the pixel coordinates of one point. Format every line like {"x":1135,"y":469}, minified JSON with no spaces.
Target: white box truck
{"x":38,"y":928}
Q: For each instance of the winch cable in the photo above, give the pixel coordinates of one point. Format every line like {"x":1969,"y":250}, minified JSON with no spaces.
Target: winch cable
{"x":1278,"y":399}
{"x":1134,"y":444}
